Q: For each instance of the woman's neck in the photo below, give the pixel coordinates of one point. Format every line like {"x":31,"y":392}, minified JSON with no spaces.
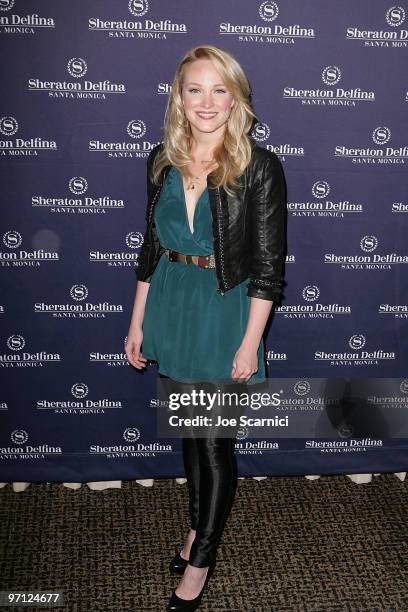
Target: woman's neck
{"x":203,"y":149}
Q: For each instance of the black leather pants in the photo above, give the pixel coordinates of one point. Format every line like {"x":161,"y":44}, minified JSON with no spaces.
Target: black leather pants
{"x":211,"y":471}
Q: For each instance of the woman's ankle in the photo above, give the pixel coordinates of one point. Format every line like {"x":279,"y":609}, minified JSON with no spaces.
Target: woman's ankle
{"x":187,"y":546}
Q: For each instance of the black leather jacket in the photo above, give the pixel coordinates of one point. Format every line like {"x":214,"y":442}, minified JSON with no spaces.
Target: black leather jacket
{"x":249,"y":229}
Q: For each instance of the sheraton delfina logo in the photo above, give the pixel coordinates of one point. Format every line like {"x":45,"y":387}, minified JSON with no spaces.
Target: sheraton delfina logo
{"x":253,"y":447}
{"x":367,"y":258}
{"x":18,"y":146}
{"x":330,"y":93}
{"x":382,"y":154}
{"x":16,"y":23}
{"x":80,"y":307}
{"x":312,"y":307}
{"x":80,"y":403}
{"x":137,"y":146}
{"x":355,"y":354}
{"x":133,"y":446}
{"x":397,"y":311}
{"x":261,"y":133}
{"x":322,"y":205}
{"x":130,"y":27}
{"x":27,"y":258}
{"x":19,"y":358}
{"x":390,"y":32}
{"x":77,"y":87}
{"x":120,"y":259}
{"x":80,"y":203}
{"x":23,"y":449}
{"x":265,"y":30}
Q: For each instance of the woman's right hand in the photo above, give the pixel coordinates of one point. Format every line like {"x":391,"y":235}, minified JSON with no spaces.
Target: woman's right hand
{"x":132,"y":348}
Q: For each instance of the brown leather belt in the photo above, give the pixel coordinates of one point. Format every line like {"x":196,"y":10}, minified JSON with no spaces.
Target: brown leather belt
{"x":202,"y":261}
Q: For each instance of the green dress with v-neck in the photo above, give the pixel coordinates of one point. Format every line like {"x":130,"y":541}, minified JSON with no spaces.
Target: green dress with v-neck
{"x":190,"y":329}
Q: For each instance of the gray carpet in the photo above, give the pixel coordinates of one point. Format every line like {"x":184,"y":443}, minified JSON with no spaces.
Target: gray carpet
{"x":289,"y":545}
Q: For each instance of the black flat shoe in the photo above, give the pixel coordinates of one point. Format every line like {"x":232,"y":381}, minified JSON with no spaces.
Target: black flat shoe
{"x":178,"y":564}
{"x":177,"y":604}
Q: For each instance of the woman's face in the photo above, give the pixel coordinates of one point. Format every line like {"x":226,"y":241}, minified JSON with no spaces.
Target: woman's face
{"x":206,"y":100}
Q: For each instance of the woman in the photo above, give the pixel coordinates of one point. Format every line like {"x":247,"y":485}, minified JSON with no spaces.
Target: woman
{"x":209,"y":271}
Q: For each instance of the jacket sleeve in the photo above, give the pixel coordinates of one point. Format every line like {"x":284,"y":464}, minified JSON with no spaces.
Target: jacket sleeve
{"x":148,"y":247}
{"x":268,"y":230}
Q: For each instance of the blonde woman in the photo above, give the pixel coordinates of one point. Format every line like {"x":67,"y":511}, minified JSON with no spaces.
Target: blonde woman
{"x":209,"y":271}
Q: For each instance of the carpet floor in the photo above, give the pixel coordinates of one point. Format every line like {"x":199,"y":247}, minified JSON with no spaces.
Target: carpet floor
{"x":289,"y":545}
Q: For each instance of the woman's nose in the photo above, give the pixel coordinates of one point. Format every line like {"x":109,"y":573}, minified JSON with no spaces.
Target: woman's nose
{"x":207,"y":100}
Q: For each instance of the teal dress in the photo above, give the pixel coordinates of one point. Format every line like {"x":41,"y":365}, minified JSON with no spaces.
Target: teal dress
{"x":190,"y":329}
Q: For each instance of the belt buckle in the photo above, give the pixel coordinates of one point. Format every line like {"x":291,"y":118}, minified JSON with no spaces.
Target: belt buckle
{"x":187,"y":259}
{"x":210,"y":261}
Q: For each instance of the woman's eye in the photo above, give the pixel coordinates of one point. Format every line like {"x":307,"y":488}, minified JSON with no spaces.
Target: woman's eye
{"x":193,"y":89}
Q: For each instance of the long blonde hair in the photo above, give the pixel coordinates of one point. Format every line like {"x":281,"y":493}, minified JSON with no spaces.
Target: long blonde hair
{"x":234,"y":154}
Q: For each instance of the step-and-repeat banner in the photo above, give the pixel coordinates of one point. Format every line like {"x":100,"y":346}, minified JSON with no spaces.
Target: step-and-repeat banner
{"x":84,"y":90}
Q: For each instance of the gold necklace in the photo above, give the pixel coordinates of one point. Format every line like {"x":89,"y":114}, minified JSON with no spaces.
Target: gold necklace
{"x":192,"y":181}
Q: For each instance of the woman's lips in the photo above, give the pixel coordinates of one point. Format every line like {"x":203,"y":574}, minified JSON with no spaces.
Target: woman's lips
{"x":206,"y":115}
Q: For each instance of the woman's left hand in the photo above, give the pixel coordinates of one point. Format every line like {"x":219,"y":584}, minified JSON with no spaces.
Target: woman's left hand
{"x":245,"y":363}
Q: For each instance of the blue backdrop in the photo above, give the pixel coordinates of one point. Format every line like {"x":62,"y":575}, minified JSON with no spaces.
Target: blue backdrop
{"x":85,"y":86}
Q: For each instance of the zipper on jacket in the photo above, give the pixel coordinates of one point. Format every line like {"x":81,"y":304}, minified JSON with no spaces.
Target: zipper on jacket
{"x":221,"y":245}
{"x":153,"y":201}
{"x":156,"y":195}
